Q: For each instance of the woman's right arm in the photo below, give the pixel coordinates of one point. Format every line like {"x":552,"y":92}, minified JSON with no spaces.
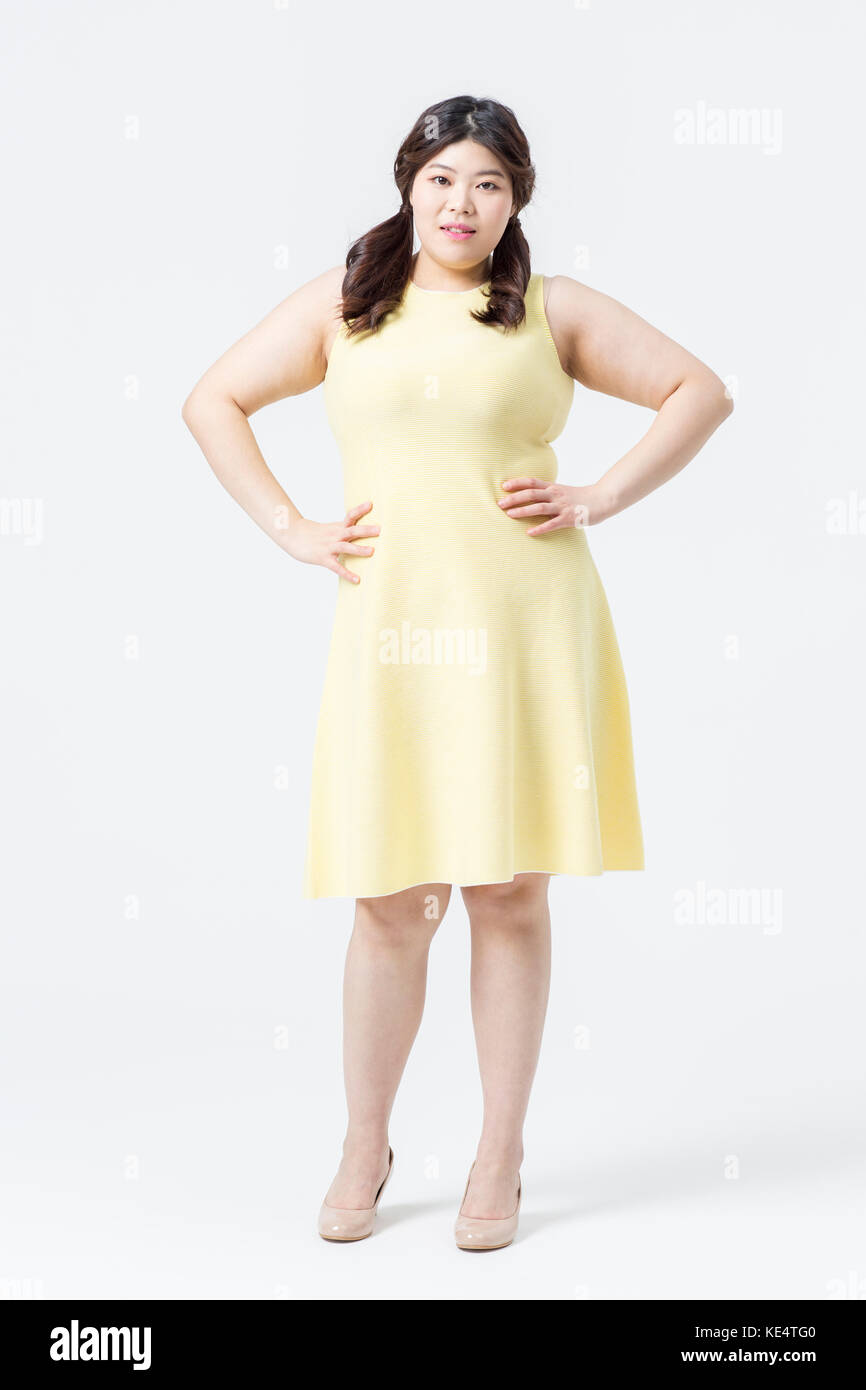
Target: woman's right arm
{"x":284,"y":355}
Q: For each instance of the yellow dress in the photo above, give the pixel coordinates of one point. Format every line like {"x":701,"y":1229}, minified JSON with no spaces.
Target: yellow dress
{"x":474,"y":720}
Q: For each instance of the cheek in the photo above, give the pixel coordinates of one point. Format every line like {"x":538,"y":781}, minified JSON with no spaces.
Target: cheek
{"x":496,"y":215}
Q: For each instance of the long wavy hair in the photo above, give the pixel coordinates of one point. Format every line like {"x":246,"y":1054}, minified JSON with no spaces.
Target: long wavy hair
{"x":379,"y":262}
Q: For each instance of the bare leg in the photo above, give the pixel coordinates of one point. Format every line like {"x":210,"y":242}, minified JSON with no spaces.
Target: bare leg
{"x":383,"y":999}
{"x":510,"y":985}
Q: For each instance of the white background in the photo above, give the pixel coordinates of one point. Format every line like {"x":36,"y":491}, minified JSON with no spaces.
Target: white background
{"x":172,"y":1103}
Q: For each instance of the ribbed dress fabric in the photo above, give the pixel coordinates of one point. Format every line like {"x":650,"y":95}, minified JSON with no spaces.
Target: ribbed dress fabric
{"x":474,"y":720}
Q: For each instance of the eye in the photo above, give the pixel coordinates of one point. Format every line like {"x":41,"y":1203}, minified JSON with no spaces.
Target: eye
{"x":486,"y":183}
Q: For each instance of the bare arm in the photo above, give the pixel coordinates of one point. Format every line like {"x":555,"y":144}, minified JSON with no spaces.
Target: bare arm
{"x":282,"y":356}
{"x":607,"y":347}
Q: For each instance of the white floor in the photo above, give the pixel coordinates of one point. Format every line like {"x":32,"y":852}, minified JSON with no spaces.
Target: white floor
{"x":182,"y":1181}
{"x":641,"y":1224}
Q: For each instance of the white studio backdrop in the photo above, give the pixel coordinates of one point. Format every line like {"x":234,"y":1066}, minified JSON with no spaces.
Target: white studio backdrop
{"x":172,"y":1098}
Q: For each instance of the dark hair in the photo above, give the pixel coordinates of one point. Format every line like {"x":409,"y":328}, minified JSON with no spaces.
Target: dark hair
{"x":379,"y":262}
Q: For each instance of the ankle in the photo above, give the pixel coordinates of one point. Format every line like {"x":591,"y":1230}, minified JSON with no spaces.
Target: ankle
{"x":496,"y":1156}
{"x":364,"y":1146}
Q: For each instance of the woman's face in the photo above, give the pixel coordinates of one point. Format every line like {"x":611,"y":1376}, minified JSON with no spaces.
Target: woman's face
{"x":466,"y":184}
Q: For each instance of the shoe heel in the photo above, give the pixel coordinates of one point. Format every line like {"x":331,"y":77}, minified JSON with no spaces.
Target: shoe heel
{"x":349,"y":1223}
{"x":486,"y":1233}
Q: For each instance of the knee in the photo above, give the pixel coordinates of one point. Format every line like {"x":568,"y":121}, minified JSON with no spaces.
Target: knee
{"x":406,"y":918}
{"x":514,"y":903}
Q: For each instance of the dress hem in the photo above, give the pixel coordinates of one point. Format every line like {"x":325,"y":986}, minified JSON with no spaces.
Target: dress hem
{"x":478,"y":882}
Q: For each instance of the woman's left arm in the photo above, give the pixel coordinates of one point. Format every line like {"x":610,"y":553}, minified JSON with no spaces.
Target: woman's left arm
{"x":608,"y":348}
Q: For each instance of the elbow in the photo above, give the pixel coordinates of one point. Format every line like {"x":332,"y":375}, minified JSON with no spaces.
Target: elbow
{"x":196,"y":409}
{"x":188,"y":410}
{"x":201,"y":404}
{"x":721,"y":396}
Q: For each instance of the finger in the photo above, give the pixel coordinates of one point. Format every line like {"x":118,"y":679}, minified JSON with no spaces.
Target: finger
{"x":346,"y":548}
{"x":354,"y":512}
{"x":352,"y":533}
{"x":537,"y":509}
{"x":555,"y":524}
{"x":512,"y":483}
{"x":343,"y":572}
{"x":534,"y":494}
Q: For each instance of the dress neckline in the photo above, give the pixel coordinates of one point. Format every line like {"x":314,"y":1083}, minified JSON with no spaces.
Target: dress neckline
{"x":446,"y":294}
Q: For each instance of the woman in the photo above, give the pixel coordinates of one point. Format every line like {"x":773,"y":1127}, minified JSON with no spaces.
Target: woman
{"x":474,"y":727}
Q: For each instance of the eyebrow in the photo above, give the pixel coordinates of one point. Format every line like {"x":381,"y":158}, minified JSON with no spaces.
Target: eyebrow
{"x":475,"y":176}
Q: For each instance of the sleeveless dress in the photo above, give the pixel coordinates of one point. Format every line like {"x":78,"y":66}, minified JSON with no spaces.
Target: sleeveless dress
{"x":474,"y":721}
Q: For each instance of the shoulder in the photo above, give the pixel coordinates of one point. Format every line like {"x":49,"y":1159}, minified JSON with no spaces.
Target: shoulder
{"x":332,"y":280}
{"x":563,"y":294}
{"x":325,"y":292}
{"x":571,"y":307}
{"x":559,"y":302}
{"x":313,"y":306}
{"x":320,"y":303}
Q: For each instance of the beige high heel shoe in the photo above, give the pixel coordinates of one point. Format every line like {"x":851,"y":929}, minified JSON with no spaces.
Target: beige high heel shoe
{"x":350,"y":1223}
{"x":483,"y":1232}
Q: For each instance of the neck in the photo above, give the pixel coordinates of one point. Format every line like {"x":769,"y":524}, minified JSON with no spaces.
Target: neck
{"x":426,"y":274}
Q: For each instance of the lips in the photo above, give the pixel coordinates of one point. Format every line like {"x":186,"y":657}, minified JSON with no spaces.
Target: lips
{"x":456,"y":227}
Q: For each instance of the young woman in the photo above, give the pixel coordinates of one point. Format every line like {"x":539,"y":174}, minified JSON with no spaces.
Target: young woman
{"x":474,"y":728}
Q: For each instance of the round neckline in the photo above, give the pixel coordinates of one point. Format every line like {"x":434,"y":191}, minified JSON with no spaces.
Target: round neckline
{"x":447,"y":293}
